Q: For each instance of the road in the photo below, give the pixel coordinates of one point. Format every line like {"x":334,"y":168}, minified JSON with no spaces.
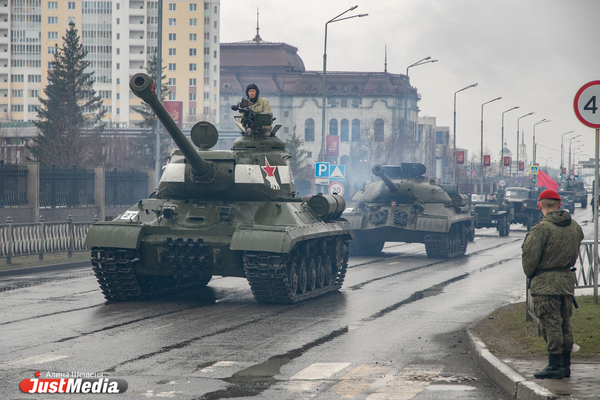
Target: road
{"x":396,"y":330}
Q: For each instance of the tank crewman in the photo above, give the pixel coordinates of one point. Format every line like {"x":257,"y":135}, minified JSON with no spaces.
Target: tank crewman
{"x":550,"y":250}
{"x":257,"y":103}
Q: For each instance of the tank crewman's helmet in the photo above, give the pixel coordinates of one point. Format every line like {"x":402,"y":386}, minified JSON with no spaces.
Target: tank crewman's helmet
{"x":252,"y":86}
{"x":549,"y":194}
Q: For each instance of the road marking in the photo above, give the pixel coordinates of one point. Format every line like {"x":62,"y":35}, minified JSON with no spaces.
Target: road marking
{"x":218,"y":365}
{"x":359,"y":379}
{"x":319,"y":371}
{"x":164,"y":326}
{"x":393,"y":263}
{"x":39,"y":359}
{"x":408,"y":383}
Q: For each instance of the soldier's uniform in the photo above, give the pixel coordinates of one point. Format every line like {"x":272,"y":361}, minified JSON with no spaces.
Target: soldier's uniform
{"x":550,"y":250}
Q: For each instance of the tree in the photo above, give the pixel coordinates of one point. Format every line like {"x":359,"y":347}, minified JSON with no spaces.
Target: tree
{"x":143,"y":149}
{"x":293,"y":146}
{"x":70,"y":115}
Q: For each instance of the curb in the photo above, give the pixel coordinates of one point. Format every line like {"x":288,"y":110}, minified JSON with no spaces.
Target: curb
{"x":502,"y":375}
{"x":45,"y":268}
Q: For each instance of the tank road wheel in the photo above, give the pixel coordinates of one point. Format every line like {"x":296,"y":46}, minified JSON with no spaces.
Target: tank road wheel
{"x":447,"y":245}
{"x":326,"y":264}
{"x":292,"y":275}
{"x":302,"y":274}
{"x":311,"y":270}
{"x":320,"y":272}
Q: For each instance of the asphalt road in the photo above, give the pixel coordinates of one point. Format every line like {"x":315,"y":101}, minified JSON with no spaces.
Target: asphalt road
{"x":396,"y":330}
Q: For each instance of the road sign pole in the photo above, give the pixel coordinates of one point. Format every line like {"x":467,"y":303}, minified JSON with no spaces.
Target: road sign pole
{"x":596,"y":219}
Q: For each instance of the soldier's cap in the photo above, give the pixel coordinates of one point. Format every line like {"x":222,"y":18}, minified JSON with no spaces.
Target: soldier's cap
{"x":252,"y":86}
{"x":549,"y":194}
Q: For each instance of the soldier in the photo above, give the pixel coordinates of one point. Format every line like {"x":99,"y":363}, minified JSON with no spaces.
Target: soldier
{"x":550,"y":250}
{"x":258,"y":104}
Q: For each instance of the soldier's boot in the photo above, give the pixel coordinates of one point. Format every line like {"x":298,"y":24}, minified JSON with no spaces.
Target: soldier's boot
{"x":566,"y":363}
{"x":553,"y":370}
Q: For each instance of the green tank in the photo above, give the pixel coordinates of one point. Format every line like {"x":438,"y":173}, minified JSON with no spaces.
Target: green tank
{"x":230,"y":213}
{"x":405,"y":206}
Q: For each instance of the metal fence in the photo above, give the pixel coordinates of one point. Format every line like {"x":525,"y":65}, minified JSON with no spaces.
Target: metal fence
{"x":585,"y":276}
{"x":42,"y":237}
{"x":13,"y":185}
{"x":125,"y":188}
{"x":66,"y":187}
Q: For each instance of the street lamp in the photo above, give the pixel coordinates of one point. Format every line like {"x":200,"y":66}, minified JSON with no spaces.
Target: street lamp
{"x":405,"y":124}
{"x":335,"y":19}
{"x":562,"y":142}
{"x":518,"y":120}
{"x":502,"y":144}
{"x":458,"y":91}
{"x":534,"y":145}
{"x":481,"y":154}
{"x":546,"y":160}
{"x":576,"y":148}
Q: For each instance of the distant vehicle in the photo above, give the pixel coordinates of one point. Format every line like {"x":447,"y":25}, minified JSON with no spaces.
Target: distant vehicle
{"x":580,"y":194}
{"x":405,"y":206}
{"x":490,"y":211}
{"x":524,"y":203}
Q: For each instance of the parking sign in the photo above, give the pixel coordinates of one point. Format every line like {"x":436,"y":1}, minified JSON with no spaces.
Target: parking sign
{"x":322,"y":170}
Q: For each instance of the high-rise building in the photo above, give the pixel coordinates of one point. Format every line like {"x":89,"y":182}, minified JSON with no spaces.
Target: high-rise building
{"x":120,"y":37}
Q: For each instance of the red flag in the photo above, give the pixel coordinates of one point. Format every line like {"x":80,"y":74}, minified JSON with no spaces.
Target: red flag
{"x":545,"y":180}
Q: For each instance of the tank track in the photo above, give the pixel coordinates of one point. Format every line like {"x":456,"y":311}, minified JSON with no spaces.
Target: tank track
{"x":115,"y":271}
{"x":313,"y":268}
{"x":447,"y":245}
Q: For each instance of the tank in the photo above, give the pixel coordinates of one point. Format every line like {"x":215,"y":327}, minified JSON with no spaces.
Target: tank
{"x":232,"y":213}
{"x":580,"y":194}
{"x":405,"y":206}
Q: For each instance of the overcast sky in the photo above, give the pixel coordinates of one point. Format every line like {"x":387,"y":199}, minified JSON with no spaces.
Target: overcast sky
{"x":534,"y":54}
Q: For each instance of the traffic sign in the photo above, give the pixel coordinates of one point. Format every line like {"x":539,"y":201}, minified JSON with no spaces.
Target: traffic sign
{"x":321,"y":181}
{"x":322,"y":170}
{"x":336,"y":188}
{"x":502,"y":183}
{"x":474,"y":173}
{"x":519,"y":179}
{"x":337,"y":172}
{"x":534,"y":170}
{"x":587,"y":104}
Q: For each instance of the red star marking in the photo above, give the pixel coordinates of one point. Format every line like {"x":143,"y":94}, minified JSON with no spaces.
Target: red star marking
{"x":268,"y":169}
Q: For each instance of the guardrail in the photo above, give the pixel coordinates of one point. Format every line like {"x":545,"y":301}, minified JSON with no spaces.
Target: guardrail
{"x":42,"y":237}
{"x":586,"y":277}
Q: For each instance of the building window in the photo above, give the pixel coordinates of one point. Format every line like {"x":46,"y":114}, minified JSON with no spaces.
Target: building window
{"x":118,"y":66}
{"x":286,"y":130}
{"x":193,"y":22}
{"x":172,"y":96}
{"x":118,"y":96}
{"x":192,"y":52}
{"x":34,"y":78}
{"x":118,"y":111}
{"x":172,"y":37}
{"x":192,"y":96}
{"x":286,"y":114}
{"x":172,"y":22}
{"x":378,"y":130}
{"x":53,"y":5}
{"x":118,"y":36}
{"x":118,"y":21}
{"x":34,"y":93}
{"x":333,"y":127}
{"x":206,"y":5}
{"x":17,"y":93}
{"x":172,"y":67}
{"x":192,"y":81}
{"x":172,"y":52}
{"x":344,"y":130}
{"x":193,"y":67}
{"x":355,"y":103}
{"x":16,"y":107}
{"x":52,"y":20}
{"x":215,"y":56}
{"x":53,"y":35}
{"x":356,"y":130}
{"x":192,"y":111}
{"x":118,"y":6}
{"x":193,"y":37}
{"x":439,"y":137}
{"x":206,"y":95}
{"x":206,"y":111}
{"x":215,"y":39}
{"x":344,"y":103}
{"x":51,"y":49}
{"x":309,"y":130}
{"x":71,"y":5}
{"x":193,"y":7}
{"x":172,"y":81}
{"x":16,"y":78}
{"x":309,"y":154}
{"x":215,"y":9}
{"x":71,"y":20}
{"x":215,"y":24}
{"x":206,"y":51}
{"x":118,"y":51}
{"x":33,"y":108}
{"x":172,"y":7}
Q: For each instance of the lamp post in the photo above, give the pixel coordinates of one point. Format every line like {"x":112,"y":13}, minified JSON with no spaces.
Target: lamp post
{"x":454,"y":131}
{"x":405,"y":124}
{"x":562,"y":142}
{"x":481,"y":154}
{"x":576,"y":148}
{"x":502,"y":144}
{"x":546,"y":160}
{"x":335,"y":19}
{"x":158,"y":85}
{"x":518,"y":120}
{"x":534,"y":145}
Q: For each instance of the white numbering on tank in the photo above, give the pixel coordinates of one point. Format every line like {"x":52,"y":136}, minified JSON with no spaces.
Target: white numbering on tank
{"x":348,"y":210}
{"x":130,"y":215}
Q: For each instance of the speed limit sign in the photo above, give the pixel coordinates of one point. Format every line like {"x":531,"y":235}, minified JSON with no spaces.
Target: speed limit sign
{"x":336,"y":188}
{"x":587,"y":104}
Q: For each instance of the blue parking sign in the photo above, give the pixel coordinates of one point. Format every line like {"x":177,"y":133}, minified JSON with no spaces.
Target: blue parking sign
{"x":322,"y":170}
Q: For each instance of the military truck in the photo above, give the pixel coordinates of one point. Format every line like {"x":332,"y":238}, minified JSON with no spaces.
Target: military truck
{"x":223,"y":212}
{"x":489,"y":211}
{"x":405,"y":206}
{"x":524,"y":203}
{"x":567,"y":200}
{"x":577,"y":187}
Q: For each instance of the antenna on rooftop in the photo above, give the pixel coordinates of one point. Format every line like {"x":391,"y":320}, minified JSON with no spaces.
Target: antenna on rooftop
{"x":257,"y":38}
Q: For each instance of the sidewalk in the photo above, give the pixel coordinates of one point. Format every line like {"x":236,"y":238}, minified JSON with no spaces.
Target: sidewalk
{"x":515,"y":377}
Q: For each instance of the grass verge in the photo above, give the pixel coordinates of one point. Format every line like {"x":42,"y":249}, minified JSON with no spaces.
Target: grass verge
{"x":507,"y":335}
{"x":49,"y":258}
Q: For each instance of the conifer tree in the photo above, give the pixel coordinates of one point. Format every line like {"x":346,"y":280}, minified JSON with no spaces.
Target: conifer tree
{"x":69,"y":119}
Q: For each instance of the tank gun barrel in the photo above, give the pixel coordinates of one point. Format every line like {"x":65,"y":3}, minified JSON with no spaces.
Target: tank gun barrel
{"x":143,"y":87}
{"x":378,"y":171}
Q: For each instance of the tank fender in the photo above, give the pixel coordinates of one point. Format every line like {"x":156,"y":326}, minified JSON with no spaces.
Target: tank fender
{"x":113,"y":235}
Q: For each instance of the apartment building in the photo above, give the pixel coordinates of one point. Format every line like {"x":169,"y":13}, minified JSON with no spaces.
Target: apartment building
{"x":120,"y":37}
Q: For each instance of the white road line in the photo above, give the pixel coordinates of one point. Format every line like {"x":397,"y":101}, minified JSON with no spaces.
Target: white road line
{"x":39,"y":359}
{"x":320,"y":371}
